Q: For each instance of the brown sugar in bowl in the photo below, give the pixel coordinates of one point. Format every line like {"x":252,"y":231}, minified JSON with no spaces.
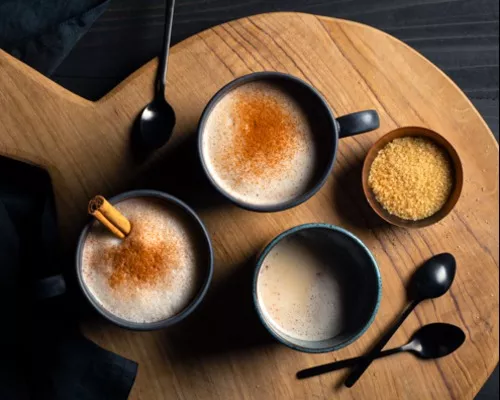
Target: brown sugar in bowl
{"x":458,"y":177}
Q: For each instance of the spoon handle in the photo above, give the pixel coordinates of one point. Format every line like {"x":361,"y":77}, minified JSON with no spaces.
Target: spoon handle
{"x":365,"y":362}
{"x":161,"y":77}
{"x":335,"y":366}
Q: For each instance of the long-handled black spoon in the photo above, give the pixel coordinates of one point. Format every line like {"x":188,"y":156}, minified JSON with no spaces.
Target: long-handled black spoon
{"x":429,"y":342}
{"x":157,"y":120}
{"x":431,"y":281}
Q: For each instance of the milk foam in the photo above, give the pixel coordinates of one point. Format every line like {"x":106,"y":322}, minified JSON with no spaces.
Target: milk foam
{"x":150,"y":303}
{"x":218,"y":141}
{"x":300,"y":293}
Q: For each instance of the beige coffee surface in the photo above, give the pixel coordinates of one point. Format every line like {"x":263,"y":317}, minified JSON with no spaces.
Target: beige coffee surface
{"x":259,"y":146}
{"x":134,"y":285}
{"x":300,"y":291}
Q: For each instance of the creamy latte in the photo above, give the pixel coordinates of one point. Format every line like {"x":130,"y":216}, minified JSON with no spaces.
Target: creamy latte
{"x":151,"y":275}
{"x":299,"y":289}
{"x":259,"y":146}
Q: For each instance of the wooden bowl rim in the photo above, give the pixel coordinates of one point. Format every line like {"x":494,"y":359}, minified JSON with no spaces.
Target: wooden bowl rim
{"x":457,"y":185}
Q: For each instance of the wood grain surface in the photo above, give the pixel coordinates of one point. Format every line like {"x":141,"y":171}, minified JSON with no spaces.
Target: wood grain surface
{"x":221,"y":352}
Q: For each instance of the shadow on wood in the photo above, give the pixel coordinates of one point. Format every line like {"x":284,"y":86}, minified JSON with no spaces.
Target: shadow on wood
{"x":178,"y":172}
{"x":226,"y":321}
{"x":350,"y":202}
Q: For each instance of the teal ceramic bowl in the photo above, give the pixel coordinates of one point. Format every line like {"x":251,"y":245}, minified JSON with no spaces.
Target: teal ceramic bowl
{"x":360,"y":282}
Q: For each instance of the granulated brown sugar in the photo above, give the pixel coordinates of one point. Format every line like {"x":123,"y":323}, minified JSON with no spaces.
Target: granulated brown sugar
{"x":412,"y":178}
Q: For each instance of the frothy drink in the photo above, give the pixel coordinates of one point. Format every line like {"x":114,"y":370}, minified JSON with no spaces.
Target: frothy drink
{"x":151,"y":275}
{"x":300,"y":292}
{"x":259,"y":146}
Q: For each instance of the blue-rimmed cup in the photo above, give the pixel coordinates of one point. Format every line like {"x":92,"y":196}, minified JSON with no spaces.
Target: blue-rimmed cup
{"x":359,"y":278}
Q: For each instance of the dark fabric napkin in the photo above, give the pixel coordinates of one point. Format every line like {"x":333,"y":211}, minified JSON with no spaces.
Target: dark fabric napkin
{"x":42,"y":33}
{"x":44,"y":356}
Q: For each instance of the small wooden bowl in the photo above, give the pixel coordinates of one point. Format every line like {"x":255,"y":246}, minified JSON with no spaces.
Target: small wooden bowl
{"x":458,"y":177}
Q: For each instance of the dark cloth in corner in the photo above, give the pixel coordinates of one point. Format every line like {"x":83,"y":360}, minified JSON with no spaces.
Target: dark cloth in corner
{"x":42,"y":33}
{"x":44,"y":356}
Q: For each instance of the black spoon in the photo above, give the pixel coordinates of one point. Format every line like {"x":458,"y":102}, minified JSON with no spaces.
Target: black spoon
{"x":431,"y":281}
{"x":157,"y":120}
{"x":429,"y":342}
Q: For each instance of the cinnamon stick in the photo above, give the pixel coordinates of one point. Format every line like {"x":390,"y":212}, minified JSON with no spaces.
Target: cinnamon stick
{"x":110,"y":217}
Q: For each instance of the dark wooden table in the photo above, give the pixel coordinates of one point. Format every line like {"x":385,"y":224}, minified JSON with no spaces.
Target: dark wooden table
{"x":460,"y":36}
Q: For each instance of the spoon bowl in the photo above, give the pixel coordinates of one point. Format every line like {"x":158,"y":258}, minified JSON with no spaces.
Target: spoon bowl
{"x":435,"y":341}
{"x":157,"y":122}
{"x":434,"y":278}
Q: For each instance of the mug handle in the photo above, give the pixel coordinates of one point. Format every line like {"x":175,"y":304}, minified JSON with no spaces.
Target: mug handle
{"x":357,"y":123}
{"x":50,"y":287}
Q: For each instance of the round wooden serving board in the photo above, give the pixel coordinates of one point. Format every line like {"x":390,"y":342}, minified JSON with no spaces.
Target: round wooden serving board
{"x":221,"y":352}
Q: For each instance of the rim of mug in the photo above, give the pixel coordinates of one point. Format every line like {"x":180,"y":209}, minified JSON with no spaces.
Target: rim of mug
{"x":348,"y":341}
{"x":193,"y":304}
{"x":255,"y":76}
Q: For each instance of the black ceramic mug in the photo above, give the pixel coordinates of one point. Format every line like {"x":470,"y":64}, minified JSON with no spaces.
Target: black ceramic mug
{"x":346,"y":258}
{"x":205,"y":251}
{"x":326,"y":127}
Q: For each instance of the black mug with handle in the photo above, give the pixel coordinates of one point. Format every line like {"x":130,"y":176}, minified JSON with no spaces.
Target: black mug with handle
{"x":325,"y":125}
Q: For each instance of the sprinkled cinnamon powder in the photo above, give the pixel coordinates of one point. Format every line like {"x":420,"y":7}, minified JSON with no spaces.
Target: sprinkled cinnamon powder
{"x":266,"y":137}
{"x":259,"y":144}
{"x":138,"y":263}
